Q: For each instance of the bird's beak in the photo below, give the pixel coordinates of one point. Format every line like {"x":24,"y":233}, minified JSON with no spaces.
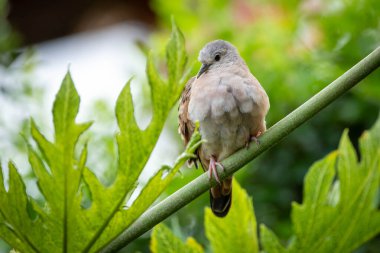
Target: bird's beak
{"x":203,"y":69}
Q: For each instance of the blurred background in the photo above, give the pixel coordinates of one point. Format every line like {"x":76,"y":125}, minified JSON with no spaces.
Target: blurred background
{"x":294,"y":48}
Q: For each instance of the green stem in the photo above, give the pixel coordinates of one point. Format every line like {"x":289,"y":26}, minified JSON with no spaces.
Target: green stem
{"x":233,"y":163}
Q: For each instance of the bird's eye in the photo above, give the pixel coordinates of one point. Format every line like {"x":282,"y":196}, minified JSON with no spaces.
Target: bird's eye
{"x":217,"y":57}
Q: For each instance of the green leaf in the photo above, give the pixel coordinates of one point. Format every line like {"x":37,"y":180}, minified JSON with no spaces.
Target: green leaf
{"x":153,"y":189}
{"x":176,"y":55}
{"x":63,"y":224}
{"x":65,"y":109}
{"x":238,"y":229}
{"x":164,"y":92}
{"x":164,"y":241}
{"x":269,"y":241}
{"x":15,"y":222}
{"x":135,"y":146}
{"x":337,"y":216}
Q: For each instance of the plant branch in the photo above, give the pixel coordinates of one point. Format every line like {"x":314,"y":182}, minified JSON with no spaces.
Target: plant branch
{"x":233,"y":163}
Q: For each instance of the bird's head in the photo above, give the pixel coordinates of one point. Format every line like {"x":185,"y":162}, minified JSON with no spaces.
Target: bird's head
{"x":216,"y":54}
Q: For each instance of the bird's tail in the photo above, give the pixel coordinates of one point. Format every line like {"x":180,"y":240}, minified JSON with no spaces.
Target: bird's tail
{"x":221,"y":197}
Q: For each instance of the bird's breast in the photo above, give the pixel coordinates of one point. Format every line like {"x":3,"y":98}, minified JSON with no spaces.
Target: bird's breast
{"x":225,"y":106}
{"x":222,"y":97}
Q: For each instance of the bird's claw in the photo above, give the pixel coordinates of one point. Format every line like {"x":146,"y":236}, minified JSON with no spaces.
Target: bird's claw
{"x":254,"y":138}
{"x":212,"y":170}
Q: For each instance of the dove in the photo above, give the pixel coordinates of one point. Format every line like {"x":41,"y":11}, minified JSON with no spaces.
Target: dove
{"x":230,"y":105}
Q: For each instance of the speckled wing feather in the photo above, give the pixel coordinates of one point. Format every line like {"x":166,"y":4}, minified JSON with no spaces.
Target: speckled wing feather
{"x":185,"y":125}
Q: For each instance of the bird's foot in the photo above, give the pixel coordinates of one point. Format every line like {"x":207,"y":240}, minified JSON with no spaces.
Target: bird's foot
{"x":254,"y":138}
{"x":212,"y":171}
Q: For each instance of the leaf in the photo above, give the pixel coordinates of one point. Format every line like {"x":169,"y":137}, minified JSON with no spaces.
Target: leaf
{"x":176,"y":58}
{"x":154,"y":188}
{"x":269,"y":241}
{"x":337,"y":216}
{"x":135,"y":146}
{"x":15,"y":222}
{"x":63,"y":224}
{"x":317,"y":184}
{"x":238,"y":229}
{"x":164,"y":241}
{"x":50,"y":230}
{"x":176,"y":55}
{"x":160,"y":181}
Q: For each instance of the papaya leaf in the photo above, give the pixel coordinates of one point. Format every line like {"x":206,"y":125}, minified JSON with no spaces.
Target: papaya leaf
{"x":135,"y":145}
{"x":269,"y":240}
{"x":236,"y":231}
{"x":164,"y":241}
{"x":152,"y":190}
{"x":337,"y":216}
{"x":63,"y":224}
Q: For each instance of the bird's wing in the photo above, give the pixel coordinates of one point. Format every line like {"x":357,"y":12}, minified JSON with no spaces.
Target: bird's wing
{"x":185,"y":125}
{"x":261,"y":101}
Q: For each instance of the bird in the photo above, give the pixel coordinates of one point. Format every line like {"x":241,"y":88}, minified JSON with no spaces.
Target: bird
{"x":230,"y":105}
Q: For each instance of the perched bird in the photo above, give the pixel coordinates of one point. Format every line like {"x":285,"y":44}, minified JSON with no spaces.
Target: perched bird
{"x":230,"y":105}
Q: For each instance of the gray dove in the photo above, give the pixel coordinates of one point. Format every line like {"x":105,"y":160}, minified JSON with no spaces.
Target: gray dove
{"x":230,"y":105}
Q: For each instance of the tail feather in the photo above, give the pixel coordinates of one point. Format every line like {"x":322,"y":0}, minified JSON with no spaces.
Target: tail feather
{"x":220,"y":206}
{"x":221,"y":197}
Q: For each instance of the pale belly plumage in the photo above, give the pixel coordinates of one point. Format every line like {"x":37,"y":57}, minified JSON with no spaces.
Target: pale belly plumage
{"x":230,"y":110}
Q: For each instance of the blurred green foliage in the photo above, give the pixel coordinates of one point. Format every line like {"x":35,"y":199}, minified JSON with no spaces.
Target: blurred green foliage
{"x":8,"y":38}
{"x":294,"y":48}
{"x":18,"y":87}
